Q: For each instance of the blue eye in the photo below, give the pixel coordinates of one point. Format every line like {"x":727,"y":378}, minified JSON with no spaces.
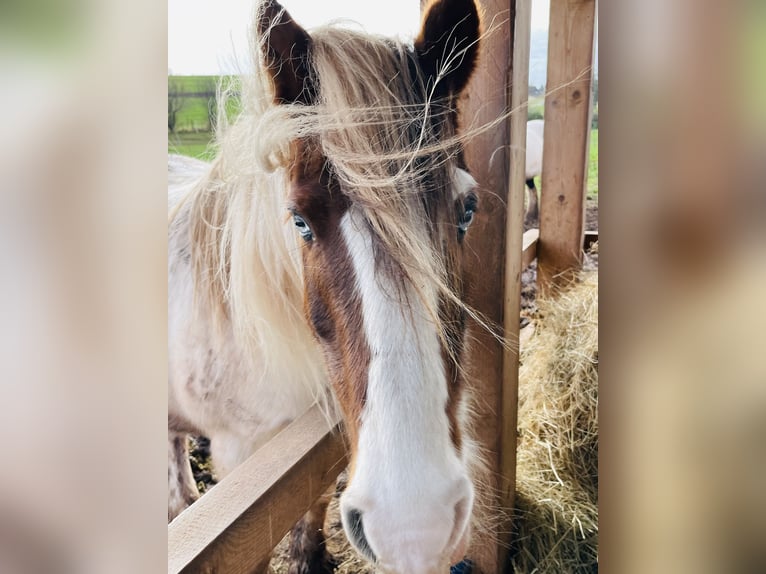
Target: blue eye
{"x":469,"y":209}
{"x":465,"y":221}
{"x":303,"y":227}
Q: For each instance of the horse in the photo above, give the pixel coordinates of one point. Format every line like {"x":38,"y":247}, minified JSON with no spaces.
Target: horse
{"x":318,"y":259}
{"x":533,"y":168}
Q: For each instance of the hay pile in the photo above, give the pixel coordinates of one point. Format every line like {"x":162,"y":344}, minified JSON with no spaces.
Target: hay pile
{"x":556,"y":514}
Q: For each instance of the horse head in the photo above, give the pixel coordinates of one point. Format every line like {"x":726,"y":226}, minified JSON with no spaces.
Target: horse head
{"x":381,"y":202}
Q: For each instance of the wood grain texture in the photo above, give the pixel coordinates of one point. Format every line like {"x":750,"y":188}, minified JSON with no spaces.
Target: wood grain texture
{"x":233,"y":528}
{"x":567,"y":136}
{"x":488,"y":157}
{"x":531,"y":238}
{"x":522,"y":24}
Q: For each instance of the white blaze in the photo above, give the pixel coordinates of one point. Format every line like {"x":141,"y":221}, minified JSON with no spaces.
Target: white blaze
{"x":408,"y":477}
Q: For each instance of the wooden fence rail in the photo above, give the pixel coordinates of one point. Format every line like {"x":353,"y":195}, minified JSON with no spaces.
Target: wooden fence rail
{"x":235,"y":526}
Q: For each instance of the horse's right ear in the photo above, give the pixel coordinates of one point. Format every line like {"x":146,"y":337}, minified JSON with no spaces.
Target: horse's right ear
{"x":286,"y":50}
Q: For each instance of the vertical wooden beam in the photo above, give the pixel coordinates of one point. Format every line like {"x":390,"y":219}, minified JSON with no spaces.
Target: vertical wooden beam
{"x":489,"y":97}
{"x":567,"y":137}
{"x":514,"y":231}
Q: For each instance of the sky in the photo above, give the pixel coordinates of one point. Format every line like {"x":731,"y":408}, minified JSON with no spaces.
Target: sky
{"x":209,"y":37}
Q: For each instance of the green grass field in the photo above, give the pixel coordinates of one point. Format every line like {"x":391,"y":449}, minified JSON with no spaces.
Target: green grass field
{"x":535,"y":107}
{"x":195,"y":95}
{"x":192,"y":144}
{"x":593,"y":165}
{"x":194,"y":83}
{"x":192,"y":134}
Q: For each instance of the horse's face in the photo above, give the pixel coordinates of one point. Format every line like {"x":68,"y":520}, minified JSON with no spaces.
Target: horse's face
{"x":392,"y":339}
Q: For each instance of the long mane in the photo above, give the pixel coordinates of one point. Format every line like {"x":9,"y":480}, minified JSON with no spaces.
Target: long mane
{"x":386,"y":140}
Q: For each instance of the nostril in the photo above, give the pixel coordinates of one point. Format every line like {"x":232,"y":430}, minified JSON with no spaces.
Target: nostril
{"x":462,"y":512}
{"x":460,"y":530}
{"x":355,"y":532}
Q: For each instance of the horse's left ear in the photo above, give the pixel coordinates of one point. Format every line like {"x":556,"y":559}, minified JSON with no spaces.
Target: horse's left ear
{"x":286,"y":49}
{"x":448,"y":44}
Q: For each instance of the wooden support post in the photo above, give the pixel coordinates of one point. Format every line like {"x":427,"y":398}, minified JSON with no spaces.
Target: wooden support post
{"x":567,"y":137}
{"x":487,"y":157}
{"x":494,"y":261}
{"x":522,"y":23}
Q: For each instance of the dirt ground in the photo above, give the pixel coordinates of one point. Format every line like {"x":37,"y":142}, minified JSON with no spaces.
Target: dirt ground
{"x":199,"y":457}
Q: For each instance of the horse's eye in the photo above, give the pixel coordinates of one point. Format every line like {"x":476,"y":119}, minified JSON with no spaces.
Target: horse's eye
{"x":469,"y":209}
{"x":303,"y":227}
{"x":465,"y":221}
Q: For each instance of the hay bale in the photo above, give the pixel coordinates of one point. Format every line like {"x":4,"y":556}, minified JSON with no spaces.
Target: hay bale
{"x":556,"y":509}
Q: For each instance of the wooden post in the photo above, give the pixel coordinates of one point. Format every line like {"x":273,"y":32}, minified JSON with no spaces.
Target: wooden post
{"x":514,"y":251}
{"x":567,"y":137}
{"x":494,"y":262}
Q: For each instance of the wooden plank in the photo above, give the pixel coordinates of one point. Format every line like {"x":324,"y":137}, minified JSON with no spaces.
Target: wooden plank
{"x":567,"y":137}
{"x":529,"y":247}
{"x":522,"y":23}
{"x":233,"y":528}
{"x":532,"y":236}
{"x":488,"y":157}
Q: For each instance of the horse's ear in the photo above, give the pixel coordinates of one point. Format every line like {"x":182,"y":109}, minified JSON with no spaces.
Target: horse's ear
{"x":286,"y":50}
{"x":448,"y":44}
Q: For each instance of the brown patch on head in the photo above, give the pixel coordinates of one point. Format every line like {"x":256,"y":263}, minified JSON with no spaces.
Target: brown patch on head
{"x":331,"y":302}
{"x":453,"y":319}
{"x":452,"y":351}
